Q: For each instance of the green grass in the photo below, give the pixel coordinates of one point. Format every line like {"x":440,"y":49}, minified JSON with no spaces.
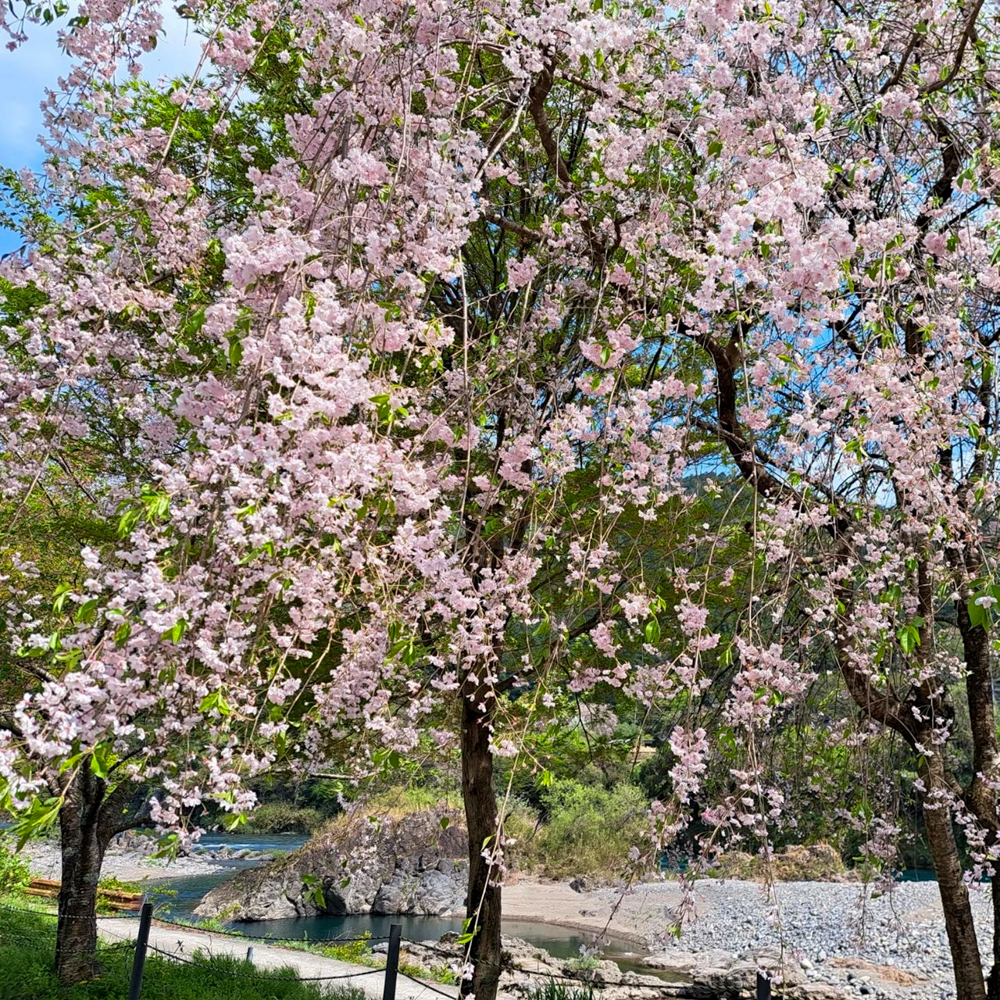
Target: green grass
{"x":357,"y":952}
{"x":14,"y":871}
{"x":360,"y":953}
{"x":27,"y":945}
{"x":557,"y":991}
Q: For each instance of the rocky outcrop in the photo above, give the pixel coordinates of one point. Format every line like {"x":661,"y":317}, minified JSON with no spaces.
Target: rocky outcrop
{"x":414,"y":864}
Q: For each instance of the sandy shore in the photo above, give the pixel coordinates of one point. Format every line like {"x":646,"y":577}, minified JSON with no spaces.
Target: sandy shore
{"x":634,"y":915}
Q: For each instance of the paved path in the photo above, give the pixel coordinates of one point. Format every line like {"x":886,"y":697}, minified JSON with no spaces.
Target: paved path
{"x":185,"y":941}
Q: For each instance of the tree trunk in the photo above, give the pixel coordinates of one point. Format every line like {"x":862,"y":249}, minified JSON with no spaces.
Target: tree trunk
{"x":969,"y":982}
{"x":483,"y":902}
{"x":83,"y":842}
{"x":980,"y":795}
{"x":994,"y":978}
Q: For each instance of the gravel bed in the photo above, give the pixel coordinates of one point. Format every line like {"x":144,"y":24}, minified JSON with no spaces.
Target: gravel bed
{"x":827,"y":925}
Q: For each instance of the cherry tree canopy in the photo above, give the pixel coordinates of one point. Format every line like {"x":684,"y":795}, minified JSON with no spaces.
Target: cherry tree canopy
{"x":493,"y":287}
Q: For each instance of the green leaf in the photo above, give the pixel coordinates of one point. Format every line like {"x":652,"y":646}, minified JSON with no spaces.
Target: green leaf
{"x":102,"y":759}
{"x":235,"y":821}
{"x":70,"y":762}
{"x":60,"y":595}
{"x":215,"y":702}
{"x":87,"y":611}
{"x":314,"y":890}
{"x":32,"y":652}
{"x":978,"y":615}
{"x":909,"y":638}
{"x":41,"y":815}
{"x":715,"y":147}
{"x":469,"y":929}
{"x":175,"y":632}
{"x":168,"y":847}
{"x":127,"y":522}
{"x":652,"y":630}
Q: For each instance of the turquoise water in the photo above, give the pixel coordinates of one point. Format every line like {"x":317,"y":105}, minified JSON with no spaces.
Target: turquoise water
{"x":917,"y":875}
{"x":563,"y":942}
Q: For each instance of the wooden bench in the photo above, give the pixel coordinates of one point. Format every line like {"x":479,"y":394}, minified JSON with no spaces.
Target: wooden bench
{"x":49,"y":889}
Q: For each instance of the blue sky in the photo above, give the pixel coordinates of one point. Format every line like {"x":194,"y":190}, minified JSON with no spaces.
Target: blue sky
{"x":26,"y":72}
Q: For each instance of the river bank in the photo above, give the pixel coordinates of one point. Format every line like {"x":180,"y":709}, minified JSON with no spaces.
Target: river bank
{"x":883,"y":945}
{"x":836,"y":934}
{"x":130,"y":859}
{"x":839,"y":933}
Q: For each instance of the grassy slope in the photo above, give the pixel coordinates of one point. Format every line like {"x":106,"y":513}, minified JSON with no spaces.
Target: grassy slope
{"x":27,"y":945}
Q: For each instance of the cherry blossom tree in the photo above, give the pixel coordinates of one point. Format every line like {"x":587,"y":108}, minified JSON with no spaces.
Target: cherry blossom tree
{"x":371,"y":419}
{"x":844,"y":239}
{"x":415,"y":391}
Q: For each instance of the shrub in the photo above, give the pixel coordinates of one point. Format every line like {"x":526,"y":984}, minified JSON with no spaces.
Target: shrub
{"x":588,"y":831}
{"x":114,"y":884}
{"x":15,"y":874}
{"x":282,"y":817}
{"x":522,"y":828}
{"x":796,"y":863}
{"x":400,"y":801}
{"x":582,"y":963}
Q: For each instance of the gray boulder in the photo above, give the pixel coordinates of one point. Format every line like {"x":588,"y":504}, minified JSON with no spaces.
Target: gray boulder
{"x":684,"y":963}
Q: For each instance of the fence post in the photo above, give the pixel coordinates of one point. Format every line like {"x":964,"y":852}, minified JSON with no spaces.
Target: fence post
{"x":250,"y":954}
{"x":139,"y":958}
{"x":763,"y":986}
{"x":392,"y":962}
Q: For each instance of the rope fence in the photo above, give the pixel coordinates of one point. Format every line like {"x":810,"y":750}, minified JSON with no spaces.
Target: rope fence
{"x":426,"y":985}
{"x":236,"y":974}
{"x":42,"y":912}
{"x":140,"y":946}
